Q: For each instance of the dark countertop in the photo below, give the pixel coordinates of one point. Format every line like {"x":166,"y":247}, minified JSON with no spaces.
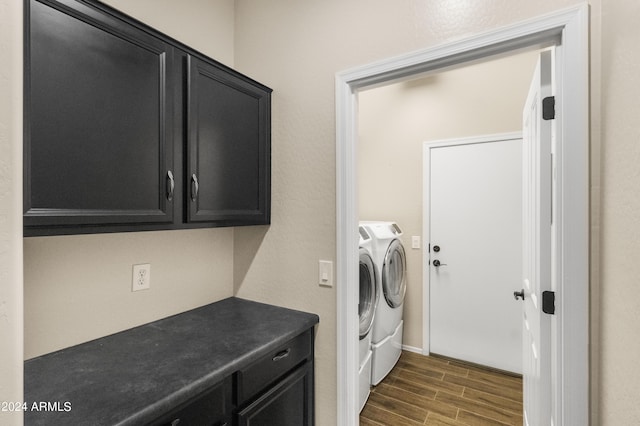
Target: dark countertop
{"x":135,"y":376}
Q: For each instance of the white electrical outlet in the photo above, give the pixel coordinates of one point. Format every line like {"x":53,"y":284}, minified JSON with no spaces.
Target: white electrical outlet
{"x":141,"y":279}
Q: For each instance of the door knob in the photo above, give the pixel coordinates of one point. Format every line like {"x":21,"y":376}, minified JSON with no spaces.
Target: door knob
{"x":437,"y":263}
{"x":518,"y":294}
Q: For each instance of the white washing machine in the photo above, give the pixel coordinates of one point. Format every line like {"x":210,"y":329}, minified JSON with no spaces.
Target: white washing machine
{"x":368,"y":298}
{"x":391,"y":264}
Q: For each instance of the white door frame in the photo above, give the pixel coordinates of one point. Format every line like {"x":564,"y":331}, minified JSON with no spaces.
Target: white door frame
{"x":426,"y":207}
{"x":569,"y":30}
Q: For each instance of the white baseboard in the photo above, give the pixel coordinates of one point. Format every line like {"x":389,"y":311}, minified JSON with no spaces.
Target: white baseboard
{"x":412,"y":349}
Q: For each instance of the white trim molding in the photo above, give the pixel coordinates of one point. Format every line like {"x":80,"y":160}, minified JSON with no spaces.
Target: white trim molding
{"x":568,"y":30}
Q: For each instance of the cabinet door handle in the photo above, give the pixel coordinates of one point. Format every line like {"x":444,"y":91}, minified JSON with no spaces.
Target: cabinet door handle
{"x":194,"y":187}
{"x":172,"y":184}
{"x":282,"y":354}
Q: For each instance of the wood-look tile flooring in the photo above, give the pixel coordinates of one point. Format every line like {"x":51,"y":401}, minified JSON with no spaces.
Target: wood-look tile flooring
{"x":432,"y":390}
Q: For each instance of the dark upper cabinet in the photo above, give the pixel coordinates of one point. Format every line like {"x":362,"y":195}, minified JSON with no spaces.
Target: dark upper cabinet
{"x":228,"y":147}
{"x":127,"y":129}
{"x":99,"y":144}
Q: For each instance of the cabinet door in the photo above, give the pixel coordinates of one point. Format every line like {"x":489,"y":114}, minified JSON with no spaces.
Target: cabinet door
{"x":229,"y":147}
{"x":288,"y":403}
{"x":98,"y":127}
{"x":212,"y":408}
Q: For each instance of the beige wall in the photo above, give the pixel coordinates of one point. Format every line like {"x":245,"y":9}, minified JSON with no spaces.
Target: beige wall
{"x":296,"y":48}
{"x":11,"y":353}
{"x":620,"y":210}
{"x":78,"y":288}
{"x":395,"y":120}
{"x":205,"y":25}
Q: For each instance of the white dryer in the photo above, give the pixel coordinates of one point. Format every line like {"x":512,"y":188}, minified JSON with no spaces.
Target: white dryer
{"x":391,"y":265}
{"x":368,"y":298}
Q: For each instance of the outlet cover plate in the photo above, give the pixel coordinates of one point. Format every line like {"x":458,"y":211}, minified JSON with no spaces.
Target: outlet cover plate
{"x":141,"y":278}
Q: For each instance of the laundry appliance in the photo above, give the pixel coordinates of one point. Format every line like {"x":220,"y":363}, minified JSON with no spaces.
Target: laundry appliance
{"x":368,"y":299}
{"x":391,"y":265}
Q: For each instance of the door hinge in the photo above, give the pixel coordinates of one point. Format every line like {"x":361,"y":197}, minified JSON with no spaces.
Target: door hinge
{"x":549,"y":302}
{"x":549,"y":108}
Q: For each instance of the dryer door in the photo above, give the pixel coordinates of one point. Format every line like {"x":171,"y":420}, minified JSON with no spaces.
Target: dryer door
{"x":394,"y":272}
{"x":368,"y":293}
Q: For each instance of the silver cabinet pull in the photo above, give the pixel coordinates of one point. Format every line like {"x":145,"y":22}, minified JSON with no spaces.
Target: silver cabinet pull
{"x":171,"y":185}
{"x":194,"y":187}
{"x":282,"y":354}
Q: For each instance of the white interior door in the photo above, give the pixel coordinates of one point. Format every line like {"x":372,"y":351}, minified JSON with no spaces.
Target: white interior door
{"x":475,"y":222}
{"x":537,"y":247}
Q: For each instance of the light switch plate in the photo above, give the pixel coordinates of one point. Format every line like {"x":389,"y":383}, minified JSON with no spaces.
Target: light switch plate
{"x":415,"y":242}
{"x":325,"y":273}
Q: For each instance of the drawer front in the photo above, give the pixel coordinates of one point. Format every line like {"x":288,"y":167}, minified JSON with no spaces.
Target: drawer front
{"x":272,"y":366}
{"x":212,"y":408}
{"x":288,"y":403}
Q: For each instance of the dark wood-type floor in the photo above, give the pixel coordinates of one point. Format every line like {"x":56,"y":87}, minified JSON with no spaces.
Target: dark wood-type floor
{"x":423,"y":390}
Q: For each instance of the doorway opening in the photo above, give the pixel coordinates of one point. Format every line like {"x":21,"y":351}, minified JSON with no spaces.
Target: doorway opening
{"x":568,"y":31}
{"x":450,"y":108}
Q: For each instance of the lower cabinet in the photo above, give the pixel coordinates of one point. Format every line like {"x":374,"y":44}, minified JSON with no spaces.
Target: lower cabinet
{"x":275,"y":390}
{"x":288,"y":403}
{"x":212,"y":408}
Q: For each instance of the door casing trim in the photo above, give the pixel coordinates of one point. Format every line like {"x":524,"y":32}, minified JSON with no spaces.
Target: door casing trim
{"x":569,"y":30}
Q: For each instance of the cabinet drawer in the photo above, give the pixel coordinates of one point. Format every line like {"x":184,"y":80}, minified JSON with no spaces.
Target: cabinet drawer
{"x":212,"y":408}
{"x":288,"y":403}
{"x":272,"y":366}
